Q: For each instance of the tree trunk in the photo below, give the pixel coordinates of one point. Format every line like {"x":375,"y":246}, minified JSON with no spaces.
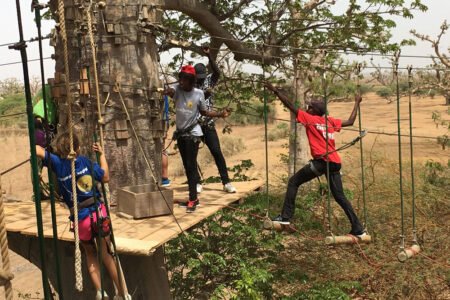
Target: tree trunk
{"x":127,"y":56}
{"x":447,"y":99}
{"x":298,"y":142}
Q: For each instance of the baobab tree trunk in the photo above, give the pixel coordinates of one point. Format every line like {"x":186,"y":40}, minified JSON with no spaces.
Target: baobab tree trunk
{"x":127,"y":57}
{"x":298,"y":142}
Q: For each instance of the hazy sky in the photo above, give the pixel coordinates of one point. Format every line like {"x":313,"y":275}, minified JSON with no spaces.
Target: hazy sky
{"x":428,"y":22}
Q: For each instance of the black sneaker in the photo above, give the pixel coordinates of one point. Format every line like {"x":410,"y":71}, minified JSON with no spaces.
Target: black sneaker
{"x":279,"y":219}
{"x":185,"y":204}
{"x":191,"y":206}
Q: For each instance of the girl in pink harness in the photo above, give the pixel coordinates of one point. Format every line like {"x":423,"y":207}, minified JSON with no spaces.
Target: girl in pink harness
{"x":87,"y":172}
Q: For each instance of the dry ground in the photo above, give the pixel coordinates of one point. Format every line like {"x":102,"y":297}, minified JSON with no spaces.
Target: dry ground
{"x":378,"y":116}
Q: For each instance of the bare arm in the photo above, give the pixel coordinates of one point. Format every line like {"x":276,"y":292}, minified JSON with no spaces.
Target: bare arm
{"x":40,"y":152}
{"x":214,"y":114}
{"x":354,"y":112}
{"x":102,"y":161}
{"x":284,"y":99}
{"x":169,"y":92}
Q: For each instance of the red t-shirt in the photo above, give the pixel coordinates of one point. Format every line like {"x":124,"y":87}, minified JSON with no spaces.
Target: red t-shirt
{"x":315,"y":130}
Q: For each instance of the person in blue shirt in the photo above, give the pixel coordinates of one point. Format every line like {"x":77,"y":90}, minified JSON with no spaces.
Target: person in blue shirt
{"x":87,"y":206}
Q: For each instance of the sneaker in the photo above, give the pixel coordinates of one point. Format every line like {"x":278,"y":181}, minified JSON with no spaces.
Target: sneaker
{"x":279,"y":219}
{"x":358,"y":234}
{"x":185,"y":204}
{"x":229,"y":188}
{"x":165,"y":182}
{"x":199,"y":188}
{"x":191,"y":206}
{"x":99,"y":295}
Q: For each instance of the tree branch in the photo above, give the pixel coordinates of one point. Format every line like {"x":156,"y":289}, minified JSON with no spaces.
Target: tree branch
{"x":209,"y":22}
{"x":235,"y":9}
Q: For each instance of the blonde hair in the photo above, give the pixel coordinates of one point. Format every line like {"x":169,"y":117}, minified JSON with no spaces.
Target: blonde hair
{"x":63,"y":144}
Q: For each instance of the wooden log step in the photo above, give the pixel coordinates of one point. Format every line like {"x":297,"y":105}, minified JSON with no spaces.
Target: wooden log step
{"x":407,"y":253}
{"x":270,"y":225}
{"x":347,"y":239}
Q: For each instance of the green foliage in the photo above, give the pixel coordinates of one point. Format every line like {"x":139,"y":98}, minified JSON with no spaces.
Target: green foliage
{"x":239,"y":172}
{"x":279,"y":132}
{"x":436,"y":174}
{"x":12,"y":104}
{"x":328,"y":291}
{"x":444,"y":141}
{"x":385,"y":92}
{"x":225,"y":256}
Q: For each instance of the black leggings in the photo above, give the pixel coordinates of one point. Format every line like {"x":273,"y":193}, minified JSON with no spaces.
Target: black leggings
{"x":211,"y":140}
{"x":312,"y":170}
{"x":188,"y":147}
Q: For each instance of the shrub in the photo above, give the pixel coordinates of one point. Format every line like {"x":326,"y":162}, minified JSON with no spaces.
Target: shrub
{"x":279,"y":132}
{"x":225,"y":256}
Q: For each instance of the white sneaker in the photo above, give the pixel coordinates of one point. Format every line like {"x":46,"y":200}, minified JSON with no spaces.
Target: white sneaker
{"x":99,"y":295}
{"x":229,"y":188}
{"x":126,"y":297}
{"x":199,"y":188}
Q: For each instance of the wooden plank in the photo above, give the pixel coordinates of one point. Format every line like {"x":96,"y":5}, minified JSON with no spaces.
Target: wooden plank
{"x":135,"y":237}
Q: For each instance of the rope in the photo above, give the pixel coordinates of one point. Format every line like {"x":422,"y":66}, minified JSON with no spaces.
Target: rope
{"x":266,"y":142}
{"x":72,"y":155}
{"x":12,"y":115}
{"x":101,"y":122}
{"x":6,"y":265}
{"x":413,"y":193}
{"x":14,"y":167}
{"x":363,"y":185}
{"x":402,"y":236}
{"x":147,"y":162}
{"x":325,"y":99}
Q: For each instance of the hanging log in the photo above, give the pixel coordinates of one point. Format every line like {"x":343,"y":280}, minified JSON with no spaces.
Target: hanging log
{"x":407,"y":253}
{"x":270,"y":225}
{"x":347,"y":239}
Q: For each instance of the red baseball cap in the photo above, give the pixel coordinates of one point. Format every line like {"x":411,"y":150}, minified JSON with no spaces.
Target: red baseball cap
{"x":188,"y":69}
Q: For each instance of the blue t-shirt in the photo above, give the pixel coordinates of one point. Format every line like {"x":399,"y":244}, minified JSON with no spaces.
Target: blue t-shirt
{"x":85,"y":190}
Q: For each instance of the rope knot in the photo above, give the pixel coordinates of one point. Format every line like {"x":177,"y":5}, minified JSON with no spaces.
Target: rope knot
{"x":72,"y":155}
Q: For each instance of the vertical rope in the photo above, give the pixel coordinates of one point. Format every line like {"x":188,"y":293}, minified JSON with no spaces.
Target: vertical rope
{"x":266,"y":147}
{"x":402,"y":236}
{"x":413,"y":192}
{"x":51,"y":185}
{"x":361,"y":150}
{"x":101,"y":122}
{"x":325,"y":99}
{"x":6,"y":264}
{"x":72,"y":155}
{"x":295,"y":120}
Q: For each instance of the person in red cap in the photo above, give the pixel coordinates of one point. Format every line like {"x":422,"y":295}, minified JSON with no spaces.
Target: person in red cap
{"x":189,"y":102}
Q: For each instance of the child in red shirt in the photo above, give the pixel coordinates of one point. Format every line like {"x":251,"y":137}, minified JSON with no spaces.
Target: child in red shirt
{"x":314,"y":121}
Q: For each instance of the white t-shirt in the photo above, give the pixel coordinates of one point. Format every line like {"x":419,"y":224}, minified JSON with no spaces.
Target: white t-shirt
{"x":188,"y":106}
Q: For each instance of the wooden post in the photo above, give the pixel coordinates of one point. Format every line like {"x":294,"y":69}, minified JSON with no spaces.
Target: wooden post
{"x":347,"y":239}
{"x":5,"y":274}
{"x":407,"y":253}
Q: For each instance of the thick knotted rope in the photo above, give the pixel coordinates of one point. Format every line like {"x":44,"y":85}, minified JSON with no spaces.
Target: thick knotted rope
{"x":72,"y":155}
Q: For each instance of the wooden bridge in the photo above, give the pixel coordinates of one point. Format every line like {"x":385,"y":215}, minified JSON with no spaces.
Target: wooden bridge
{"x":138,"y":241}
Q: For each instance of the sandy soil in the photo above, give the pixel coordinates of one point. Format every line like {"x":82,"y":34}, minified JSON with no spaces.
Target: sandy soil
{"x":378,"y":116}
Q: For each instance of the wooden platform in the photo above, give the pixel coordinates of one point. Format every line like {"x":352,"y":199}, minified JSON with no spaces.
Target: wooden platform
{"x":135,"y":237}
